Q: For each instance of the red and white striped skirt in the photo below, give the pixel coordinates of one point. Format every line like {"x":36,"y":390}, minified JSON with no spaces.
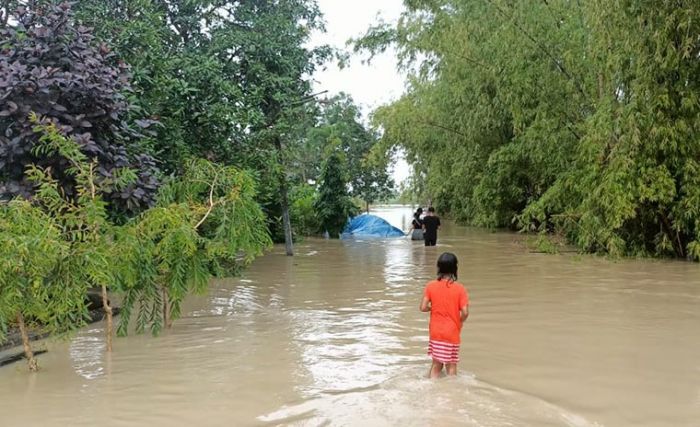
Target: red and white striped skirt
{"x":443,"y":352}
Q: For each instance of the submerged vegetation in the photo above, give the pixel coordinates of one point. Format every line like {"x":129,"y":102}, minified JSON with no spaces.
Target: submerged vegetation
{"x":205,"y":222}
{"x":580,"y":118}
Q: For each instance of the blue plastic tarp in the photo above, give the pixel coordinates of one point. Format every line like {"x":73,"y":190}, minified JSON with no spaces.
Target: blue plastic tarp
{"x":370,"y":226}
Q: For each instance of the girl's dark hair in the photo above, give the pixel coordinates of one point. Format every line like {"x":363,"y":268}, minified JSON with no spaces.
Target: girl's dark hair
{"x":447,"y":266}
{"x":419,"y":211}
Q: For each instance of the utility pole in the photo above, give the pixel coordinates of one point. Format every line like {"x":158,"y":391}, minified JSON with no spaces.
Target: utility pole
{"x":284,"y":202}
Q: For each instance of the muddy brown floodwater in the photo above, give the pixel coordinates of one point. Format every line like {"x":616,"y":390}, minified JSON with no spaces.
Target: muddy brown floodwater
{"x":334,"y":337}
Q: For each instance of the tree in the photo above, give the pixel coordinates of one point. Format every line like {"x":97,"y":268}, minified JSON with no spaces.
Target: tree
{"x":227,"y":79}
{"x":303,"y":215}
{"x":54,"y":67}
{"x":554,"y":116}
{"x":367,"y":162}
{"x":68,"y":238}
{"x":205,"y":222}
{"x":30,"y":254}
{"x":333,"y":204}
{"x":83,"y":219}
{"x":275,"y":66}
{"x":184,"y":74}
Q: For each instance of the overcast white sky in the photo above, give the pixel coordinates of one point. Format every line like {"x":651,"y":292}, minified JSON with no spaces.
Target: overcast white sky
{"x":369,"y":85}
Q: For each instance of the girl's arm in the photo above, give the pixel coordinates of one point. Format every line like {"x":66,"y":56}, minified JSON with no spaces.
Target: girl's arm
{"x":464,"y":313}
{"x":425,"y":305}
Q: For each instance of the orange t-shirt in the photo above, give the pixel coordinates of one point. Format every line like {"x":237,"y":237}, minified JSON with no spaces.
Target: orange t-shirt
{"x":446,"y":299}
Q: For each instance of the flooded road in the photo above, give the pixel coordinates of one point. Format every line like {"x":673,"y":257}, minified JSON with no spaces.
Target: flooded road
{"x":333,"y":337}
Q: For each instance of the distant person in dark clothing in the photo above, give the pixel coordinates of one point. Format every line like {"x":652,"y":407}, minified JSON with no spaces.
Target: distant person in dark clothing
{"x":431,"y":225}
{"x":417,"y":225}
{"x":417,"y":221}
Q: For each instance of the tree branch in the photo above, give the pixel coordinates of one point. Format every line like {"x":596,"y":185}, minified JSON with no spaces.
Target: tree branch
{"x":557,"y":19}
{"x":211,"y":203}
{"x":568,"y":120}
{"x":541,"y":47}
{"x":442,"y":127}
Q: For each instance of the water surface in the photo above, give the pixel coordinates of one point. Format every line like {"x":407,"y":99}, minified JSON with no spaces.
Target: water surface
{"x":333,"y":337}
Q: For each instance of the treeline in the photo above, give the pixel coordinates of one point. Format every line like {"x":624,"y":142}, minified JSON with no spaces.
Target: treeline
{"x":575,"y":117}
{"x":146,"y":145}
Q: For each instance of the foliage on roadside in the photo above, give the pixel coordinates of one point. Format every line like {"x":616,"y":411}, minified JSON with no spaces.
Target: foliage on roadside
{"x":52,"y":66}
{"x":66,"y":247}
{"x":229,"y":81}
{"x":333,"y":204}
{"x":579,"y":117}
{"x":305,"y":220}
{"x":206,"y":222}
{"x":367,"y":162}
{"x":31,"y":252}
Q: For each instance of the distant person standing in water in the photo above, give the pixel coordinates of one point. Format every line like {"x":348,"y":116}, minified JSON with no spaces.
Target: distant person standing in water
{"x":417,"y":225}
{"x":448,"y":304}
{"x":417,"y":220}
{"x":431,"y":225}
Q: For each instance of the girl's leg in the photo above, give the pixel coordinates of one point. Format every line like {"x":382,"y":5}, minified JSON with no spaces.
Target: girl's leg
{"x":451,"y":368}
{"x":435,"y":370}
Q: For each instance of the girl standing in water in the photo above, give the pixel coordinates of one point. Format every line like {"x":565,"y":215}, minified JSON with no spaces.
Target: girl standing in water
{"x":448,"y":304}
{"x":417,"y":225}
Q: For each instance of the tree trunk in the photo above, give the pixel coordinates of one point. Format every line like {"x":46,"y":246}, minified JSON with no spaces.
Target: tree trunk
{"x":167,"y":321}
{"x":110,"y":322}
{"x":284,"y":201}
{"x":367,"y":206}
{"x":28,"y":353}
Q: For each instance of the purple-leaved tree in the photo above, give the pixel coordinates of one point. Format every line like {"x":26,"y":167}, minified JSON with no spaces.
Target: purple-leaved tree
{"x":54,"y":67}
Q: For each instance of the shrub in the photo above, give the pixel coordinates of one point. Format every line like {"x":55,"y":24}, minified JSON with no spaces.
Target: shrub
{"x":55,"y":68}
{"x":305,"y":221}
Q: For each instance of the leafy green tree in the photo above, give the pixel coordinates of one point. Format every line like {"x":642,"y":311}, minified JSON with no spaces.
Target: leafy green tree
{"x":303,"y":215}
{"x":334,"y":205}
{"x":367,"y":162}
{"x":205,"y":222}
{"x":83,"y":218}
{"x":58,"y":246}
{"x":276,"y":65}
{"x":228,"y":80}
{"x":31,"y":251}
{"x":183,"y":75}
{"x":573,"y":117}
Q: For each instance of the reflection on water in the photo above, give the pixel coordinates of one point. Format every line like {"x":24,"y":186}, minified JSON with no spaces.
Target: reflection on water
{"x":87,"y":353}
{"x":333,"y":336}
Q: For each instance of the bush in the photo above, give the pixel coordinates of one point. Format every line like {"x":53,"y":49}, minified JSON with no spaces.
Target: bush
{"x":55,"y":68}
{"x":305,"y":221}
{"x":333,"y":204}
{"x":58,"y":246}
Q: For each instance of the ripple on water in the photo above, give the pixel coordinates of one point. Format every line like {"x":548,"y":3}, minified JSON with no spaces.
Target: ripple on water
{"x":407,"y":399}
{"x":86,"y":351}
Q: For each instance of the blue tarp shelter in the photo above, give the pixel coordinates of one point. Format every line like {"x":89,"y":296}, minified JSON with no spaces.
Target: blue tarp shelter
{"x":370,"y":226}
